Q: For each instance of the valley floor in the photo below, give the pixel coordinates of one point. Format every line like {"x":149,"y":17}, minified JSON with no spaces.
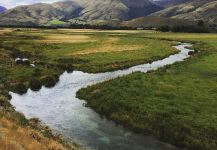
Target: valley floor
{"x":52,"y":52}
{"x":175,"y":104}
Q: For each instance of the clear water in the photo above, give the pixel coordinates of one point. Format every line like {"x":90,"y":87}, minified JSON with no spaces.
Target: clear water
{"x":59,"y":108}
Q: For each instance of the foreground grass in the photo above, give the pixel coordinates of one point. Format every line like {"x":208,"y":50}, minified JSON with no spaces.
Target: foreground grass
{"x":53,"y":52}
{"x":16,"y":132}
{"x":176,"y":104}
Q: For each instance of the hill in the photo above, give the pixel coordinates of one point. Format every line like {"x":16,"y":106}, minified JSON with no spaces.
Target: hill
{"x":86,"y":10}
{"x":192,"y":10}
{"x":155,"y":22}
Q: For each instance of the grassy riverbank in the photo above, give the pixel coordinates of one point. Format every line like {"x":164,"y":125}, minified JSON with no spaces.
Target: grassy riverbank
{"x":176,"y":104}
{"x":52,"y":52}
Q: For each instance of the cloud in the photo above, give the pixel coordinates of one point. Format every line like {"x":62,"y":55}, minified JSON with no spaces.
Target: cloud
{"x":14,"y":3}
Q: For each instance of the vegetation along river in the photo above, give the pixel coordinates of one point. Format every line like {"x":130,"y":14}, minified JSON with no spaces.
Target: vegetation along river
{"x":59,"y":108}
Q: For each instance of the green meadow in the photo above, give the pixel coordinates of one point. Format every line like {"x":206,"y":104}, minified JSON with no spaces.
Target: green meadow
{"x":90,"y":51}
{"x":176,"y":104}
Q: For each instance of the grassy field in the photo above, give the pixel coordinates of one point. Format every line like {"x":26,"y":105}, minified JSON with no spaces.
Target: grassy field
{"x":176,"y":104}
{"x":52,"y":52}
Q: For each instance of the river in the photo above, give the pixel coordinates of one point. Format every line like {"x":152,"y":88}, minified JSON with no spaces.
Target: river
{"x":59,"y":108}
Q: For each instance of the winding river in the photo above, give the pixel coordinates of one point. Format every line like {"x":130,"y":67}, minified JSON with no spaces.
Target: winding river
{"x":59,"y":108}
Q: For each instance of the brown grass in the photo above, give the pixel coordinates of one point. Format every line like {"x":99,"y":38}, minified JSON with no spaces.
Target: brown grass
{"x":61,"y":38}
{"x":5,"y":30}
{"x":104,"y":31}
{"x":14,"y":137}
{"x":109,"y":45}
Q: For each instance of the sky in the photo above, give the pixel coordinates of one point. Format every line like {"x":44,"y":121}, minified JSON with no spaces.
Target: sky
{"x":14,"y":3}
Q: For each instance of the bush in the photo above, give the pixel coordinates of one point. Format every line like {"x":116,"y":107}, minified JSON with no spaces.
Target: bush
{"x":49,"y":81}
{"x":19,"y":88}
{"x":4,"y":102}
{"x":191,"y":53}
{"x":67,"y":67}
{"x":35,"y":84}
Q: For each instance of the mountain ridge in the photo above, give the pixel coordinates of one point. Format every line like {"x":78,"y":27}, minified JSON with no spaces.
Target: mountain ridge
{"x":88,"y":10}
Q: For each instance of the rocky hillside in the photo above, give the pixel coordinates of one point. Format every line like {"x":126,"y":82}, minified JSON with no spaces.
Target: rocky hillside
{"x":193,"y":10}
{"x":87,"y":10}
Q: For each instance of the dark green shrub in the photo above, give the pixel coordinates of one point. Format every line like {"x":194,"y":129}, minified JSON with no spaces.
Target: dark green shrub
{"x":19,"y":88}
{"x":191,"y":53}
{"x":35,"y":84}
{"x":67,"y":67}
{"x":49,"y":81}
{"x":4,"y":102}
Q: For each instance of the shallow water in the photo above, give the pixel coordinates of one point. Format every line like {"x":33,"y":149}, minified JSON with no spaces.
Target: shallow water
{"x":59,"y":108}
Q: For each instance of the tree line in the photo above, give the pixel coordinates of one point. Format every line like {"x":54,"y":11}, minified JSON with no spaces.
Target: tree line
{"x":200,"y":27}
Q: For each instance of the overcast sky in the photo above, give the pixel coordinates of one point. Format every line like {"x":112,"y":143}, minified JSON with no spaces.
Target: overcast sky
{"x":13,"y":3}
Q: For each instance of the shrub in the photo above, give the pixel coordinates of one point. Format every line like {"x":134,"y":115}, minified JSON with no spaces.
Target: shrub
{"x":35,"y":84}
{"x":4,"y":102}
{"x":67,"y":67}
{"x":191,"y":53}
{"x":19,"y":88}
{"x":49,"y":81}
